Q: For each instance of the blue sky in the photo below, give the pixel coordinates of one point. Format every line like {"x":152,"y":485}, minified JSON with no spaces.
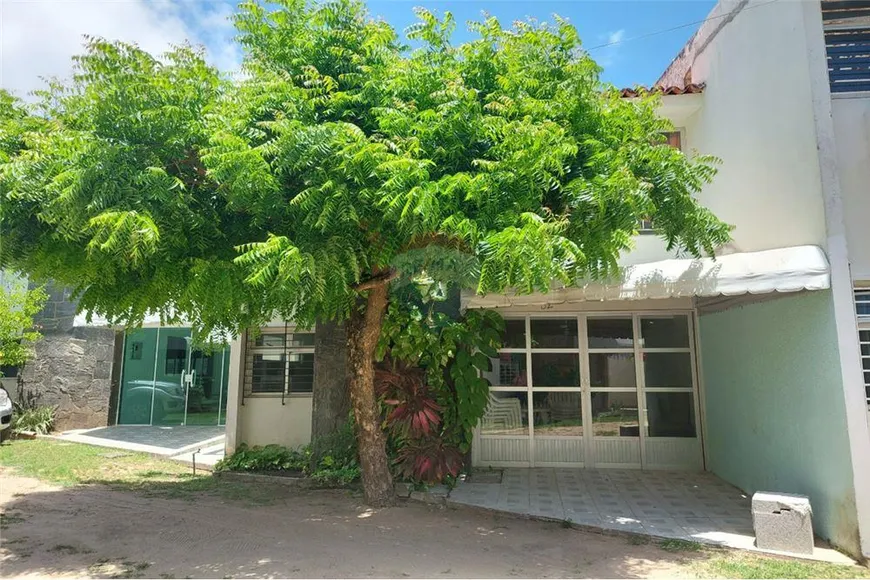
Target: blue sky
{"x":627,"y":63}
{"x":38,"y":37}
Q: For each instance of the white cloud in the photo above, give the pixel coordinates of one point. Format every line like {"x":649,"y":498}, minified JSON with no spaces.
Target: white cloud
{"x":38,"y":37}
{"x":616,"y":36}
{"x":610,"y":49}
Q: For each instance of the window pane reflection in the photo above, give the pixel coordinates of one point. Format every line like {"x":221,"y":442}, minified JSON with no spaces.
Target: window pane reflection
{"x":612,"y":370}
{"x":268,"y":373}
{"x":615,"y":415}
{"x":555,"y":369}
{"x":610,"y":332}
{"x":514,"y":334}
{"x":670,"y":415}
{"x":301,"y":369}
{"x":667,"y":369}
{"x":554,"y":333}
{"x":558,"y":414}
{"x":270,"y":340}
{"x":507,"y":370}
{"x":665,"y":332}
{"x":507,"y":414}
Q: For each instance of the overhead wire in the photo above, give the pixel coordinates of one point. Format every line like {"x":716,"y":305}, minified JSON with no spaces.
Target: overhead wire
{"x":680,"y":26}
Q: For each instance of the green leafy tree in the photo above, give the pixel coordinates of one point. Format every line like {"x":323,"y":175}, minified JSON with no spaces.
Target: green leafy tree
{"x":340,"y":162}
{"x":18,"y":306}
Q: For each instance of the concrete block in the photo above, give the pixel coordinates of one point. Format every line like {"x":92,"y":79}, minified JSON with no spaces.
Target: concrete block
{"x":404,"y":489}
{"x":783,"y":522}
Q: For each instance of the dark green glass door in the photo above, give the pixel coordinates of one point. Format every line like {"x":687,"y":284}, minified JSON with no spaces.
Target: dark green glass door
{"x":166,"y":382}
{"x":137,"y":382}
{"x":173,"y":350}
{"x":203,"y":381}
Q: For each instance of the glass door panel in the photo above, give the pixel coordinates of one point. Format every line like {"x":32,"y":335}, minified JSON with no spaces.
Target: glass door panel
{"x":173,"y":346}
{"x":203,"y":382}
{"x":137,"y":381}
{"x":613,"y":393}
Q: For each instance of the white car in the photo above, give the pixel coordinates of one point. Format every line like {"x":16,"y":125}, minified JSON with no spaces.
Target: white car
{"x":5,"y":413}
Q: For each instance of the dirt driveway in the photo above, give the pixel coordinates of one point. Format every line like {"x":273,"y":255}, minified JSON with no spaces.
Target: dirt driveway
{"x":97,"y":531}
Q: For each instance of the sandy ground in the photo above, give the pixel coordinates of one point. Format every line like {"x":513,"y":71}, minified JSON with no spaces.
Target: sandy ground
{"x":96,"y":531}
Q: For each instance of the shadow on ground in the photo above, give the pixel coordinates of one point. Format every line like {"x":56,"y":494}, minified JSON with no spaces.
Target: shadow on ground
{"x":210,"y":528}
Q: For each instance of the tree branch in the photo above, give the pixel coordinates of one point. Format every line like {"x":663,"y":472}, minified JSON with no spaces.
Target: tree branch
{"x":377,"y":280}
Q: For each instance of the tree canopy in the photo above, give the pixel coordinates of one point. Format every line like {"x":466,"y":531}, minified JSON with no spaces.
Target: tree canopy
{"x":340,"y":160}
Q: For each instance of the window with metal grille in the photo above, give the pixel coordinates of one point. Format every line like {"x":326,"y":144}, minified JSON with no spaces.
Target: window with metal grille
{"x":862,"y":303}
{"x":279,"y":361}
{"x":847,"y":42}
{"x":864,"y":338}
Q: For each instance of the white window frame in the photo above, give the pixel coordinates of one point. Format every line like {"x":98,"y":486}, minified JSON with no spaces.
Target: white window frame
{"x":253,"y":350}
{"x":585,"y":389}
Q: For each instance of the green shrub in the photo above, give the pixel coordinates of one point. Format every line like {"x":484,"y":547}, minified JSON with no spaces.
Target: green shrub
{"x":330,"y":460}
{"x":39,"y":420}
{"x":334,"y":459}
{"x":263,"y":458}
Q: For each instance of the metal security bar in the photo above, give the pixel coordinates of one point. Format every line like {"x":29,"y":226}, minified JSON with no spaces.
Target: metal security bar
{"x":847,"y":42}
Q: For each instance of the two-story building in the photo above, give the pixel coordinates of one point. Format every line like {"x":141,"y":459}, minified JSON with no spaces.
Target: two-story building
{"x":749,"y":366}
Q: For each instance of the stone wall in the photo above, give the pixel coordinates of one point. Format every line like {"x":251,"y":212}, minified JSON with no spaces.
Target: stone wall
{"x":72,"y":366}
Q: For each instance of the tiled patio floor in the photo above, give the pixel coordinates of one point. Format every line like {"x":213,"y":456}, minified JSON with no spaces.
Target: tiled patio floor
{"x":684,"y":505}
{"x":168,"y":440}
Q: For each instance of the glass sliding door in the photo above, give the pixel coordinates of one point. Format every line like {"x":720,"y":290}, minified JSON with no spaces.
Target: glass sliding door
{"x":166,"y":382}
{"x":669,"y":394}
{"x":603,"y":390}
{"x":173,"y":348}
{"x":137,"y":383}
{"x":557,"y":402}
{"x":204,"y":380}
{"x":613,"y":392}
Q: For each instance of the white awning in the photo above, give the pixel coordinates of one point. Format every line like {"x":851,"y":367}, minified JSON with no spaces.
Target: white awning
{"x":781,"y":270}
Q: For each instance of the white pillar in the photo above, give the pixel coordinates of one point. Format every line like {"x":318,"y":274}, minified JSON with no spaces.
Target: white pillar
{"x":234,"y":393}
{"x":841,"y":279}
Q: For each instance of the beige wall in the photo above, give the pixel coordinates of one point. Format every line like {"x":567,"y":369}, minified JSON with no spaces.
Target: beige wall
{"x":852,"y":129}
{"x":264,"y":420}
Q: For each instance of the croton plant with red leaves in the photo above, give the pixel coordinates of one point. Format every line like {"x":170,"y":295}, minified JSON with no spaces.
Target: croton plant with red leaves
{"x":429,"y":384}
{"x":412,"y":413}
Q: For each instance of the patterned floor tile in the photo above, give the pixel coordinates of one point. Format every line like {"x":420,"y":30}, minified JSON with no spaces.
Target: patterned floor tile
{"x":667,"y":504}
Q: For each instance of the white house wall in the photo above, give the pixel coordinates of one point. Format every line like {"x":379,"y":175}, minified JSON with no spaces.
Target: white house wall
{"x":768,"y":184}
{"x":851,"y":115}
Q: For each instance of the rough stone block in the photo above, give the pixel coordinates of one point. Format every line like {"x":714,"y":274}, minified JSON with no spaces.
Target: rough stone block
{"x":783,"y":522}
{"x":404,"y":489}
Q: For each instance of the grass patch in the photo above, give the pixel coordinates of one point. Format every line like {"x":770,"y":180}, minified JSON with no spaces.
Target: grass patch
{"x":674,"y":545}
{"x":7,"y":519}
{"x":68,"y":549}
{"x":70,"y":464}
{"x":733,"y":564}
{"x":638,"y":540}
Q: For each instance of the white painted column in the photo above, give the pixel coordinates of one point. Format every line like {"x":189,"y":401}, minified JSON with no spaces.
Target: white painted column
{"x":234,"y":392}
{"x":841,"y":279}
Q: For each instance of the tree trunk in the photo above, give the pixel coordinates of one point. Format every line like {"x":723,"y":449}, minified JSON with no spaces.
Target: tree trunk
{"x":363,"y":330}
{"x":331,"y":403}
